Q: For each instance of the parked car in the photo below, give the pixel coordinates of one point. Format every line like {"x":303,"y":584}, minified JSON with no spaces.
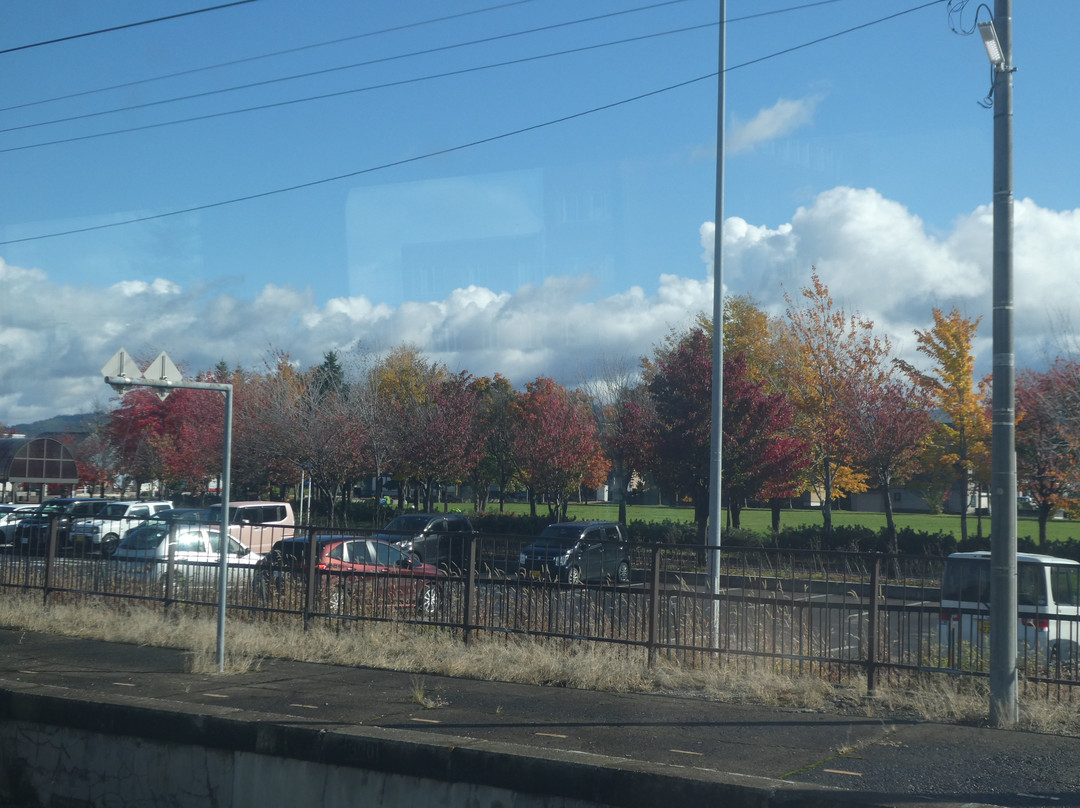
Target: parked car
{"x":102,"y":532}
{"x":353,"y":570}
{"x":10,"y":516}
{"x":578,"y":552}
{"x":31,"y":534}
{"x":1048,"y":605}
{"x":256,"y":523}
{"x":169,"y":517}
{"x":143,"y":555}
{"x":441,"y":539}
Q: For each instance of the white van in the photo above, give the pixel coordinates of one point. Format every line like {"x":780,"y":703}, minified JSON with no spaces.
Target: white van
{"x":1048,"y":605}
{"x":255,"y":523}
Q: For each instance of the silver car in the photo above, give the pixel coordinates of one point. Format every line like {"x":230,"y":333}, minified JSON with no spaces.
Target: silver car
{"x":143,"y":557}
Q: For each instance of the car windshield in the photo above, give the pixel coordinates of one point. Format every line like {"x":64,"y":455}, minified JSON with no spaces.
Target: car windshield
{"x":411,"y":523}
{"x":145,"y":538}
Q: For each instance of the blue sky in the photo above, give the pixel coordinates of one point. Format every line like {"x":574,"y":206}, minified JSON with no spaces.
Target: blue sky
{"x":514,"y":187}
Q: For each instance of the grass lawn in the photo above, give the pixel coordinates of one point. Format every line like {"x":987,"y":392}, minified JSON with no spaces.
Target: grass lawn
{"x":761,"y":520}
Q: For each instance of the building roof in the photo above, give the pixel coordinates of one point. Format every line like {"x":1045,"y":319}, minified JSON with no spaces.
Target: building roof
{"x":36,"y":460}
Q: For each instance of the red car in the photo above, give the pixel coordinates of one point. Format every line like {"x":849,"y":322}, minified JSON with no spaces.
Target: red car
{"x":356,"y":575}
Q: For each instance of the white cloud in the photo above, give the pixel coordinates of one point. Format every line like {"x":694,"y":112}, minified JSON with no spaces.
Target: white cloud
{"x":874,"y":254}
{"x":784,"y":117}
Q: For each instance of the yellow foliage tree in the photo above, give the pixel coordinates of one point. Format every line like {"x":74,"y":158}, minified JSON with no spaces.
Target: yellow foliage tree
{"x":960,"y":442}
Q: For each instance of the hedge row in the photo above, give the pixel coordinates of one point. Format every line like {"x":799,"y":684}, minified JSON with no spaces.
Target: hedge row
{"x":853,"y":538}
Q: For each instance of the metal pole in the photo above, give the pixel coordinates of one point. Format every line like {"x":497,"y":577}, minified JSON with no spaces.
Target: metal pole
{"x":716,"y":440}
{"x":1003,"y":610}
{"x":223,"y":559}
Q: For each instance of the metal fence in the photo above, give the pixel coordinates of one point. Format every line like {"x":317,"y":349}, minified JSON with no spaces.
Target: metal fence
{"x":831,"y":614}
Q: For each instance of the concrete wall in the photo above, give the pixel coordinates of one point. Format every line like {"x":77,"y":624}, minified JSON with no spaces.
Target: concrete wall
{"x":59,"y":749}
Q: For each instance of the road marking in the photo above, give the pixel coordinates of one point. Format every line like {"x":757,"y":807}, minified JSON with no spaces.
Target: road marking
{"x":841,"y":771}
{"x":426,"y":720}
{"x":124,"y":684}
{"x":685,"y":752}
{"x":215,"y":695}
{"x":305,"y":706}
{"x":549,"y":735}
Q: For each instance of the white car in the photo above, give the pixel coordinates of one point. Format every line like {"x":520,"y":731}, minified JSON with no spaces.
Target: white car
{"x":10,"y":516}
{"x":1048,"y":606}
{"x":102,"y":533}
{"x":143,"y":557}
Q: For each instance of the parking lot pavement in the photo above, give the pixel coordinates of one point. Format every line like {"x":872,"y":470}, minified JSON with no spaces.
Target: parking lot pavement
{"x":899,"y":762}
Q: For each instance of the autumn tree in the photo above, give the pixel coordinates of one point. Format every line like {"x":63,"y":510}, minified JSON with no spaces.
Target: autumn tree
{"x":494,"y":427}
{"x":610,"y":392}
{"x":890,"y":418}
{"x":558,"y":449}
{"x":405,"y":379}
{"x":439,"y":441}
{"x":832,"y":352}
{"x":667,"y":431}
{"x":1047,"y":452}
{"x":761,"y":459}
{"x":960,"y":440}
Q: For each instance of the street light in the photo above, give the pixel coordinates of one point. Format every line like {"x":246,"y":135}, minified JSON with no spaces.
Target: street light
{"x":992,"y":44}
{"x":121,"y":374}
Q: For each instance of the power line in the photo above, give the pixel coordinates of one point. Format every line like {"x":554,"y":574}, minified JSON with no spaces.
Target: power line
{"x":324,"y":71}
{"x":287,"y":51}
{"x":339,"y":93}
{"x":386,"y":85}
{"x":469,"y":145}
{"x":124,"y":26}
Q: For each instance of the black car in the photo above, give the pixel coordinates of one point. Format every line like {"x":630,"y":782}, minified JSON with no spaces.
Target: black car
{"x":31,"y":534}
{"x":441,"y":539}
{"x":577,"y":552}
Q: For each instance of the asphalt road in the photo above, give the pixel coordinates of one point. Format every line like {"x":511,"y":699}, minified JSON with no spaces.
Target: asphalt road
{"x":901,"y":762}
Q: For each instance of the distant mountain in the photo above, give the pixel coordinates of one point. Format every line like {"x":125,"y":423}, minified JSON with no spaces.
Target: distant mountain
{"x":60,"y":424}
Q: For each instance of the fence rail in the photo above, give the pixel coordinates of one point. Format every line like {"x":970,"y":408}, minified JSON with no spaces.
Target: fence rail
{"x":832,"y":614}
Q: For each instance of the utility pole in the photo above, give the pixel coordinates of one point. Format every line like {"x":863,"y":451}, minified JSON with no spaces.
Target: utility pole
{"x":1004,"y":709}
{"x":716,"y":442}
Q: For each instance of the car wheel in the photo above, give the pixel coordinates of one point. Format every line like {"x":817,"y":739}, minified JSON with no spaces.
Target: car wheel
{"x":622,"y":572}
{"x":573,"y":575}
{"x":431,"y":597}
{"x":108,"y":544}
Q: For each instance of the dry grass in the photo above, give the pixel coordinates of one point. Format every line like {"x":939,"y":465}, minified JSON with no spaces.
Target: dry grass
{"x":422,"y":650}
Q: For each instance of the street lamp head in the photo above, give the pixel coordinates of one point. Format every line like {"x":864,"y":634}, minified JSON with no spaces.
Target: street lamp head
{"x":993,"y":46}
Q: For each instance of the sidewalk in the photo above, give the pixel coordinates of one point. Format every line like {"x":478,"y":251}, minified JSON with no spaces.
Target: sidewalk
{"x":893,"y":763}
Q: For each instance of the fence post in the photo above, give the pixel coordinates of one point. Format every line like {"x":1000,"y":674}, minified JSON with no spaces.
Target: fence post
{"x":470,"y":587}
{"x":309,"y":589}
{"x":50,"y":556}
{"x":170,"y":565}
{"x":872,"y":628}
{"x":654,"y":606}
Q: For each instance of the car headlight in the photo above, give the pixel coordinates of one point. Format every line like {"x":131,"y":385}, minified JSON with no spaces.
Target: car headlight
{"x":521,"y":559}
{"x":560,"y":561}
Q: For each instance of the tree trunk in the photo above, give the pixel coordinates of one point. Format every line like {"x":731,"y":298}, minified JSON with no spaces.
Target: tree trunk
{"x":965,"y":499}
{"x":890,"y":522}
{"x":735,"y":515}
{"x":826,"y":504}
{"x":774,"y":505}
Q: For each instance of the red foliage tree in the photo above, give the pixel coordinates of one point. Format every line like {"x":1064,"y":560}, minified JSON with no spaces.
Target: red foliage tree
{"x":761,"y":459}
{"x":1047,"y":449}
{"x":558,"y":449}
